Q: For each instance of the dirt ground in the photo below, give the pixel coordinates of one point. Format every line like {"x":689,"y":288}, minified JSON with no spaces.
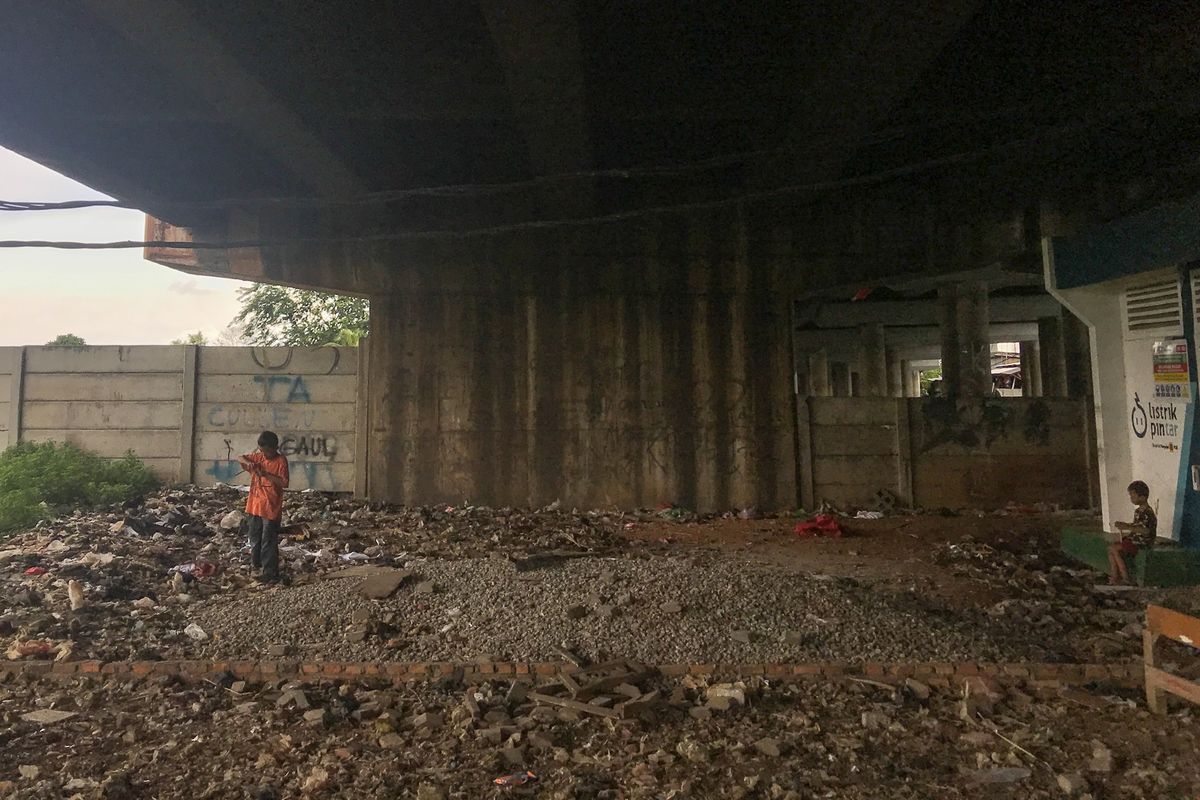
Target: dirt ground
{"x":897,"y":551}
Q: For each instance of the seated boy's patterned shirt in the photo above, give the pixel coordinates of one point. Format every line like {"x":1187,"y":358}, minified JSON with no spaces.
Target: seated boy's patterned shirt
{"x":1148,"y":519}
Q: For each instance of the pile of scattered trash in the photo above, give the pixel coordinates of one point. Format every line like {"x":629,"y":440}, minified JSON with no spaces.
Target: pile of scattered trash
{"x":113,"y":583}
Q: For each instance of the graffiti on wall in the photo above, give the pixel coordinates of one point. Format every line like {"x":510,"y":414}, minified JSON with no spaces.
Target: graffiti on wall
{"x":285,"y":410}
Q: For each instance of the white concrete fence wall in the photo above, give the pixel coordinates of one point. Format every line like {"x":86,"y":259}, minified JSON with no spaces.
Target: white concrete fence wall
{"x":188,"y":411}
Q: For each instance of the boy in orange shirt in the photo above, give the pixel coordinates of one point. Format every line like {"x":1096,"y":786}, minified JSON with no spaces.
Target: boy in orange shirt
{"x":268,"y":470}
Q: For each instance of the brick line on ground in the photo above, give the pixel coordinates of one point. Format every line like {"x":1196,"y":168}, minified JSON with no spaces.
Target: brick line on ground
{"x":1127,"y":674}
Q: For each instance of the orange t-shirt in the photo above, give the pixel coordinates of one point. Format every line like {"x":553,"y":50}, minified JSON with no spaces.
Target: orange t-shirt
{"x":266,"y":499}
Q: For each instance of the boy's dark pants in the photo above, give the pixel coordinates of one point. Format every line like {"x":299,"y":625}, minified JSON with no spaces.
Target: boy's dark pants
{"x":264,"y":545}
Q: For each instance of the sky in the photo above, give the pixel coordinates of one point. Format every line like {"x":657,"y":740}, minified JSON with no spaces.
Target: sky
{"x":105,"y":296}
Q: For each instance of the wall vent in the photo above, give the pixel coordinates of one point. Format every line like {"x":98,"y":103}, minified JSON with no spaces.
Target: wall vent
{"x":1155,"y":307}
{"x":1196,"y":298}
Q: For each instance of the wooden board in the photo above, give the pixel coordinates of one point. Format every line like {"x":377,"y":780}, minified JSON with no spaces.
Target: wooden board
{"x":284,"y":360}
{"x":1160,"y":679}
{"x":574,"y":705}
{"x":1173,"y":625}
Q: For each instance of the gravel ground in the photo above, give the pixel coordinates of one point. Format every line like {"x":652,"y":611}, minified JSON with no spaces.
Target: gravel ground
{"x":728,"y":611}
{"x":169,"y":740}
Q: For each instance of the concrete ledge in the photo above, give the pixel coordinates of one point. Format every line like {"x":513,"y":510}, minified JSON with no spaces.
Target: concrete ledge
{"x":1129,"y":675}
{"x":1160,"y":566}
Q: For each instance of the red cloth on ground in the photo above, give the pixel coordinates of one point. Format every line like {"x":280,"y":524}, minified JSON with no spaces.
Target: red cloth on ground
{"x":820,"y":525}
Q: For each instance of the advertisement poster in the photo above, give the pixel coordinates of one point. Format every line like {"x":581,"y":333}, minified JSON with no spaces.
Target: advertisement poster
{"x":1160,"y":415}
{"x":1171,"y":376}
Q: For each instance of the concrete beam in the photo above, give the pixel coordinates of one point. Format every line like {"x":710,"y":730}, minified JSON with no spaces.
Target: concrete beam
{"x":880,"y":55}
{"x":826,"y":314}
{"x":538,"y":44}
{"x":843,"y":343}
{"x":168,"y":32}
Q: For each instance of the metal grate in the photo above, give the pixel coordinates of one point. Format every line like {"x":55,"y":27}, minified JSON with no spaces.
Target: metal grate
{"x":1156,"y":306}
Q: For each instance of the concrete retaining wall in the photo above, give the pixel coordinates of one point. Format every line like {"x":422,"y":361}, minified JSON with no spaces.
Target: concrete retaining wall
{"x":933,"y":453}
{"x":187,"y":411}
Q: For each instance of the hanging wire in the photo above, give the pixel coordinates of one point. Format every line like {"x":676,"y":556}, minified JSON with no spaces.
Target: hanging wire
{"x":810,"y":147}
{"x":418,"y":235}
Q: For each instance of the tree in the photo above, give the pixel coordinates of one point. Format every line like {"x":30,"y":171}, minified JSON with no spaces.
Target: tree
{"x":66,"y":340}
{"x":277,"y":315}
{"x":191,"y":338}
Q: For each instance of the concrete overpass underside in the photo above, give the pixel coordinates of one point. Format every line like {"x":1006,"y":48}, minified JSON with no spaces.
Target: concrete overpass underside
{"x":599,"y":309}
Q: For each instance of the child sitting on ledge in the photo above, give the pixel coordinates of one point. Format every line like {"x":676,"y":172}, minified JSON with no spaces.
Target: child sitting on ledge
{"x":1138,"y":534}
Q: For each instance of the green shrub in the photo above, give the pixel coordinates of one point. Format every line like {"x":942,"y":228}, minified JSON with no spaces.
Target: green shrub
{"x":39,"y":480}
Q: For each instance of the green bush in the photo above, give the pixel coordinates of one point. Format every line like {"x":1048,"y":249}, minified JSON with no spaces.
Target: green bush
{"x":39,"y":480}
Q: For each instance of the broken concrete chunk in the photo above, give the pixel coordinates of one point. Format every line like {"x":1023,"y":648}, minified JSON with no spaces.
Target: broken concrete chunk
{"x":29,"y":772}
{"x":383,"y":584}
{"x":427,"y":721}
{"x":48,"y":716}
{"x":391,"y":741}
{"x":293,"y":698}
{"x":768,"y":747}
{"x":316,"y":717}
{"x":427,"y":791}
{"x":919,"y":690}
{"x":1072,"y":783}
{"x":670,"y":607}
{"x":230,"y":522}
{"x":426,"y":587}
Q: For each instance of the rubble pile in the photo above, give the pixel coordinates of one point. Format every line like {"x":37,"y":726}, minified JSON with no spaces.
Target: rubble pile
{"x":705,"y":609}
{"x":1053,"y":601}
{"x":674,"y":739}
{"x":167,"y":578}
{"x":118,"y":583}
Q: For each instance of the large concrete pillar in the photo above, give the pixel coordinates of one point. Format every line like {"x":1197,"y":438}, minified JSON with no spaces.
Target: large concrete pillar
{"x":1031,"y":369}
{"x":912,"y":379}
{"x":872,"y":361}
{"x":1053,"y":357}
{"x":895,"y":375}
{"x":660,"y":371}
{"x":818,"y":373}
{"x":839,"y":379}
{"x":966,"y":350}
{"x":1077,"y":355}
{"x":947,"y":315}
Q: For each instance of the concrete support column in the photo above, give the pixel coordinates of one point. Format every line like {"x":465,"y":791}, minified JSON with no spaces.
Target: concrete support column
{"x":1031,"y":369}
{"x":818,"y":373}
{"x":839,"y":379}
{"x":1053,"y":357}
{"x":966,"y":351}
{"x":895,"y":375}
{"x":911,"y":378}
{"x":532,"y":375}
{"x":1077,"y":354}
{"x":873,"y":370}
